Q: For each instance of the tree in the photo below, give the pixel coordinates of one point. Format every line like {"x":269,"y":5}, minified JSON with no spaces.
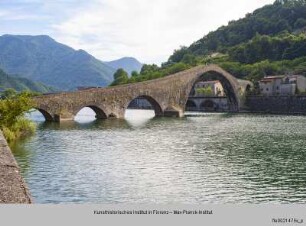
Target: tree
{"x":190,"y":59}
{"x":148,"y":68}
{"x":134,"y":74}
{"x":177,"y":67}
{"x":300,"y":23}
{"x":120,"y":77}
{"x":178,"y":54}
{"x":13,"y":106}
{"x":8,"y":93}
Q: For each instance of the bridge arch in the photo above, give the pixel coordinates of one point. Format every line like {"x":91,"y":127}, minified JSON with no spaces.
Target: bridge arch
{"x":155,"y":105}
{"x":229,"y":83}
{"x":208,"y":105}
{"x":190,"y":105}
{"x":48,"y":116}
{"x":100,"y":114}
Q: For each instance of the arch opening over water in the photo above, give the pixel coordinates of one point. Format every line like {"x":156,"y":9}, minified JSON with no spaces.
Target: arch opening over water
{"x":39,"y":115}
{"x":141,"y":110}
{"x":191,"y":106}
{"x":145,"y":102}
{"x":216,"y":88}
{"x":89,"y":113}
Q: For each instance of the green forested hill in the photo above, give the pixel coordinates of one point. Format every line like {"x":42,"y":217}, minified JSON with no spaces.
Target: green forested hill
{"x":42,"y":59}
{"x":271,"y":40}
{"x":281,"y":17}
{"x":19,"y":84}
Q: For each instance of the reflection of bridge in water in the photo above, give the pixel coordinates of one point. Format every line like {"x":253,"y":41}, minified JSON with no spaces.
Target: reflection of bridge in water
{"x":168,"y":96}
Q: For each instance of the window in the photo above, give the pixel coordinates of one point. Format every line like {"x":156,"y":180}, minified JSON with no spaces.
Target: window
{"x":267,"y":89}
{"x":277,"y":88}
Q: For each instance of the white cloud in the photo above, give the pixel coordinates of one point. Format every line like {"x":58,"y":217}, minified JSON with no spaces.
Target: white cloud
{"x":148,"y":30}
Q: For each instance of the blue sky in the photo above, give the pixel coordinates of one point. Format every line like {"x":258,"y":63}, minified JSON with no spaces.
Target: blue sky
{"x":148,"y":30}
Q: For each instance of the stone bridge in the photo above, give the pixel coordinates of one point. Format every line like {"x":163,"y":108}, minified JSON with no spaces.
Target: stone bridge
{"x":167,"y":95}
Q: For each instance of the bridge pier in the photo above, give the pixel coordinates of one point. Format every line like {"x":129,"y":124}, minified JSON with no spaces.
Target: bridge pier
{"x":174,"y":112}
{"x":60,"y":118}
{"x":159,"y":114}
{"x":64,"y":116}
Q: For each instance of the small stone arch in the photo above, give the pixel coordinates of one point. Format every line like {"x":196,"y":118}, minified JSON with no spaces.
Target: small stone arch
{"x":155,"y":105}
{"x":190,"y":105}
{"x":208,"y":105}
{"x":100,"y":114}
{"x":48,"y":117}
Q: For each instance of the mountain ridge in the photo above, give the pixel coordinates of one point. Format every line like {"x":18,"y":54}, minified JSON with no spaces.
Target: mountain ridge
{"x":128,"y":64}
{"x":42,"y":59}
{"x":20,"y":84}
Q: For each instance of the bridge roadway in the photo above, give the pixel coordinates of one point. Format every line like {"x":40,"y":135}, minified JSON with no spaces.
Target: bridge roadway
{"x":167,"y":95}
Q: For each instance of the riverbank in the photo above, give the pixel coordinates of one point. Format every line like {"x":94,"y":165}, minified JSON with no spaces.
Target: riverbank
{"x":12,"y":186}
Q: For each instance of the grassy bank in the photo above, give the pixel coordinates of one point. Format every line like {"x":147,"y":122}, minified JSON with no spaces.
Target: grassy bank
{"x":22,"y":128}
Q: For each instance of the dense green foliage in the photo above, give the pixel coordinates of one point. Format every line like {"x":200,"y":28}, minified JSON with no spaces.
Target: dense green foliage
{"x":256,"y":71}
{"x":149,"y":72}
{"x":120,"y":77}
{"x":269,"y":41}
{"x":282,"y":47}
{"x":42,"y":59}
{"x":20,"y":84}
{"x":13,"y":106}
{"x":271,"y":20}
{"x":206,"y":91}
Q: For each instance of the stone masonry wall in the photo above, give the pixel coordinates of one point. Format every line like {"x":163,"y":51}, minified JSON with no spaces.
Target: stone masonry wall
{"x":277,"y":104}
{"x":12,"y":186}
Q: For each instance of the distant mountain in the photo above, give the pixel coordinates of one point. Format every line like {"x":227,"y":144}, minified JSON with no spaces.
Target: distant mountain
{"x":129,"y":64}
{"x":42,"y":59}
{"x":19,"y":84}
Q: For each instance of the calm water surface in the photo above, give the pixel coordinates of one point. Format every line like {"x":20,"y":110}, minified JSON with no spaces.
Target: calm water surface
{"x":202,"y":158}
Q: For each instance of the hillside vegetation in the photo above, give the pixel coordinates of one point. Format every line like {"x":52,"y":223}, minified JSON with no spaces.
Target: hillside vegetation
{"x":21,"y":84}
{"x":42,"y":59}
{"x":269,"y":41}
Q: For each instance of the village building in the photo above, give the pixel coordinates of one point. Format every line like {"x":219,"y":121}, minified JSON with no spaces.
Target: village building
{"x":215,"y":86}
{"x":282,"y":85}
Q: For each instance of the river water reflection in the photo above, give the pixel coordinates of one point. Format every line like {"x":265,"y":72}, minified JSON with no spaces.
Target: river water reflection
{"x":202,"y":158}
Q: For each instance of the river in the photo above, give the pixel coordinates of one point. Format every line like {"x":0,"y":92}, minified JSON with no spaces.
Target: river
{"x":198,"y":159}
